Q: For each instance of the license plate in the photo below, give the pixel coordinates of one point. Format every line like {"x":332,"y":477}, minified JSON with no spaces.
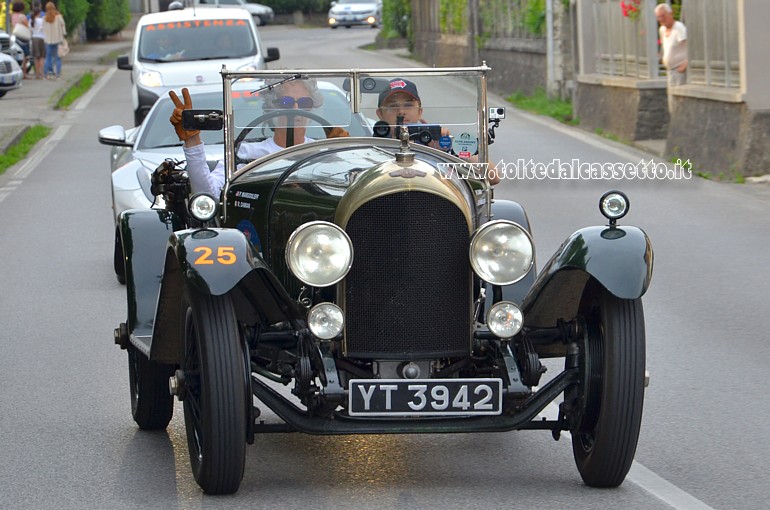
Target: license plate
{"x":425,"y":397}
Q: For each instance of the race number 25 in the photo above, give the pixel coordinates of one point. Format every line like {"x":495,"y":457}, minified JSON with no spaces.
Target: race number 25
{"x":225,"y":255}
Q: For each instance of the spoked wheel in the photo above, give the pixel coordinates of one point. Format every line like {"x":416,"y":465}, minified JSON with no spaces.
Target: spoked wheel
{"x":612,"y":363}
{"x":151,"y":403}
{"x":214,"y":404}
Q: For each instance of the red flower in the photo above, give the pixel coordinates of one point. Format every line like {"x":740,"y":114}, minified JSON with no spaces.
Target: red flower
{"x":631,"y":9}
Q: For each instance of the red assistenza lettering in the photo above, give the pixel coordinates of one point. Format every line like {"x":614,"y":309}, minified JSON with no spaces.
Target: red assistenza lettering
{"x":196,"y":23}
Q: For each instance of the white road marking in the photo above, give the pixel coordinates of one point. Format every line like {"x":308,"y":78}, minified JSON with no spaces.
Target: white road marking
{"x":40,"y":154}
{"x":50,"y":144}
{"x":659,"y":487}
{"x":664,"y":490}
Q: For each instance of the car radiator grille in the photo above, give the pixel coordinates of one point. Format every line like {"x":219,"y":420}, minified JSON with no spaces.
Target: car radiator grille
{"x":5,"y":43}
{"x":5,"y":67}
{"x":408,"y":294}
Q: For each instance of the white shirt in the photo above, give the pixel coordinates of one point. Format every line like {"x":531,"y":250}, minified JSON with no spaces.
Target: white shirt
{"x":674,"y":47}
{"x":204,"y":181}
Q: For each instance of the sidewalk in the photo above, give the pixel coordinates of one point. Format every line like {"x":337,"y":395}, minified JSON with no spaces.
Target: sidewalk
{"x":34,"y":102}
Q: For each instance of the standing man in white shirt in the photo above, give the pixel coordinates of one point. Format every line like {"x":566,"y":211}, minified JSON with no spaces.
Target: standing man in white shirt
{"x":673,"y":39}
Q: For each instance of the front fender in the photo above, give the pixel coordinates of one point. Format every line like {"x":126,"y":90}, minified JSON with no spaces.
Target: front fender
{"x":144,"y":235}
{"x":619,"y":258}
{"x":215,"y":261}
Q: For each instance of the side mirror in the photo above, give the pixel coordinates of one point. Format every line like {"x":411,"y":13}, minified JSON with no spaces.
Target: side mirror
{"x":205,"y":120}
{"x":124,"y":64}
{"x":114,"y":135}
{"x":272,"y":55}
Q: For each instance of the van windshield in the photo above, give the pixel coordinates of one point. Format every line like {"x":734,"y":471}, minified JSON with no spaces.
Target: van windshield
{"x":196,"y":40}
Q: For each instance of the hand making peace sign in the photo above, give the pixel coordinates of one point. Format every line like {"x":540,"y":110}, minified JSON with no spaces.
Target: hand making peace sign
{"x":176,"y":116}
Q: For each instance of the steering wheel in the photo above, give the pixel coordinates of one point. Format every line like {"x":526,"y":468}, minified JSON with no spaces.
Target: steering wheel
{"x":292,"y":114}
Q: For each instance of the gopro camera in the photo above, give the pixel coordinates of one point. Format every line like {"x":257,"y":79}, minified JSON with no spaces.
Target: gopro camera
{"x":496,"y":113}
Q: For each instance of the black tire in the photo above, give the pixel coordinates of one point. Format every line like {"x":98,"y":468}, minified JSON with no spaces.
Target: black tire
{"x":215,"y":392}
{"x":151,"y":403}
{"x":2,"y":92}
{"x":605,"y":438}
{"x":119,"y":261}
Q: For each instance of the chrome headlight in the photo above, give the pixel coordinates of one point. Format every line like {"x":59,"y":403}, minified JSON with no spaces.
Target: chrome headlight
{"x":319,"y":253}
{"x":325,"y":320}
{"x":502,"y":252}
{"x":203,"y":207}
{"x":614,"y":205}
{"x":505,"y":319}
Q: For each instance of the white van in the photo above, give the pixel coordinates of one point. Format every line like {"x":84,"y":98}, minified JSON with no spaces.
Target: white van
{"x":187,"y":47}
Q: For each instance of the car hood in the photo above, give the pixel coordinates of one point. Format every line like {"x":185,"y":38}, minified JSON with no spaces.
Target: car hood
{"x":201,"y":72}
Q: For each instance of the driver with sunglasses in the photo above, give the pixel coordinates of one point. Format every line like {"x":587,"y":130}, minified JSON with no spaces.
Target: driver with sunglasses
{"x":286,"y":95}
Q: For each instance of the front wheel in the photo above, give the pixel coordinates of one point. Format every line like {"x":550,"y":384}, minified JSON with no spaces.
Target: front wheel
{"x":151,"y":403}
{"x":612,"y":364}
{"x":215,"y":401}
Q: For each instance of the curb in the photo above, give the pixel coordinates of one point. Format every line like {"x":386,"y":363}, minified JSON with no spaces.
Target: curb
{"x":10,"y":136}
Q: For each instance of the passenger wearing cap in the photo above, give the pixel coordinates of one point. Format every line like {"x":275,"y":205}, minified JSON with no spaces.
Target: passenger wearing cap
{"x":401,"y":98}
{"x":302,"y":94}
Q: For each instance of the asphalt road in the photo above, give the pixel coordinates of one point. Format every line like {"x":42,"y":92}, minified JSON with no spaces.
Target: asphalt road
{"x":66,"y":432}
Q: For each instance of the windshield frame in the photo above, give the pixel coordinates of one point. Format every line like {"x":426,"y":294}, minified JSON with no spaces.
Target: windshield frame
{"x":355,"y":76}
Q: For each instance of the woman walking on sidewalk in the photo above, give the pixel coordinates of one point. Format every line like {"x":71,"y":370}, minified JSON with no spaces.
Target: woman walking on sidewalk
{"x":54,"y":32}
{"x":38,"y":38}
{"x":20,"y":18}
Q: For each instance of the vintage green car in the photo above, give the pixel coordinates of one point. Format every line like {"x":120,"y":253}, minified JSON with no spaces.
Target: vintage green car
{"x":373,"y":284}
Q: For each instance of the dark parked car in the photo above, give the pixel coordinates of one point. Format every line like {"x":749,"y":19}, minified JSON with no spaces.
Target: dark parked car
{"x":379,"y":279}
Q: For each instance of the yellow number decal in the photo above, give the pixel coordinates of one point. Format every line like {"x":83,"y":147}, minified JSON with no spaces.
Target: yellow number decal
{"x":225,"y":255}
{"x":205,"y":254}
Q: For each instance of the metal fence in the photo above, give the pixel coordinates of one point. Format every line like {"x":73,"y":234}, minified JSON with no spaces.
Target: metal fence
{"x":516,"y":19}
{"x":712,"y":42}
{"x":625,"y":46}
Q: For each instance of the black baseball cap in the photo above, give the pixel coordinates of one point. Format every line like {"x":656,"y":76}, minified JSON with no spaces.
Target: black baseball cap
{"x":399,"y":85}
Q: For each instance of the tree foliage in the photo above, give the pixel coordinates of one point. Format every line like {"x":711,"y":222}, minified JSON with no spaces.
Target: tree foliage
{"x":73,"y":11}
{"x":453,"y":18}
{"x":107,"y":17}
{"x":396,"y":18}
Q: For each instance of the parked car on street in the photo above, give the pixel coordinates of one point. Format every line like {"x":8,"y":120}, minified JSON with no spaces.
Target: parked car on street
{"x":188,"y":47}
{"x":262,"y":14}
{"x":10,"y":74}
{"x":348,"y":13}
{"x":374,"y":285}
{"x":9,"y":46}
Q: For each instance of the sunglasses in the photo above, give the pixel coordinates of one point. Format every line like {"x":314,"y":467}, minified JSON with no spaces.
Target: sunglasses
{"x":304,"y":103}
